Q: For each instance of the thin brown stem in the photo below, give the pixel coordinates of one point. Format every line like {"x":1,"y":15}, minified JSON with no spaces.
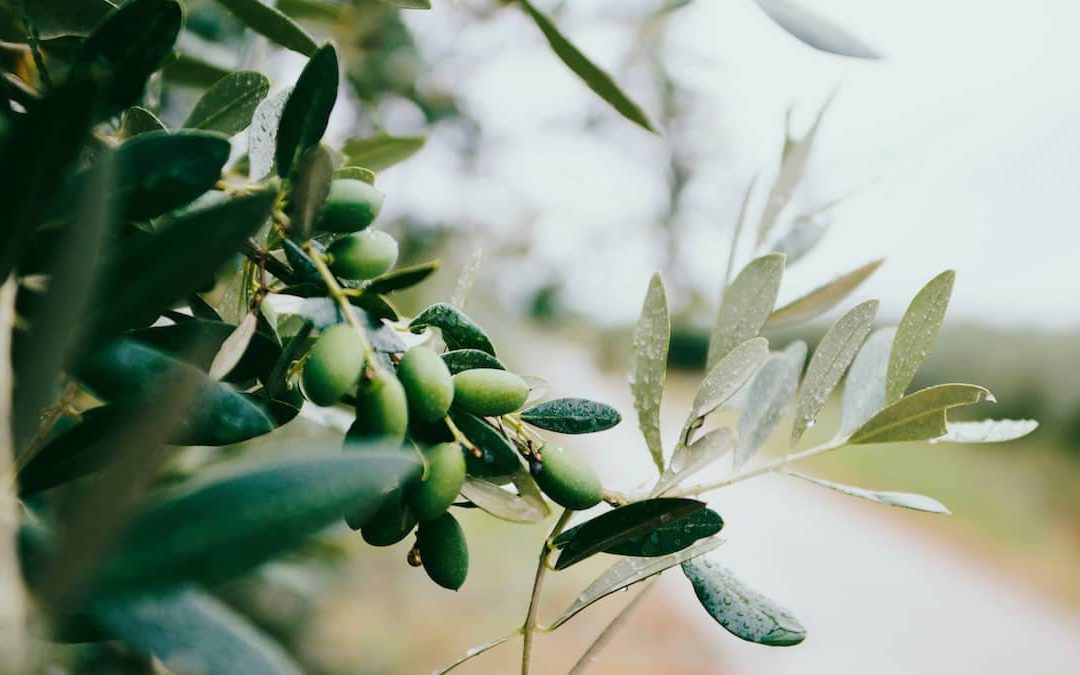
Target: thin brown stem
{"x":528,"y":629}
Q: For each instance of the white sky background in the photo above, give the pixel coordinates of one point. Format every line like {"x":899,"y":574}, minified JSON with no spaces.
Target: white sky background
{"x":968,"y":130}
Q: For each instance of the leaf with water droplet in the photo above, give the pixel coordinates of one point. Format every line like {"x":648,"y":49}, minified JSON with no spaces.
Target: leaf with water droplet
{"x":823,"y":298}
{"x":689,"y":459}
{"x":742,"y":611}
{"x":746,"y":304}
{"x":830,"y":360}
{"x":262,"y":136}
{"x":864,"y":389}
{"x":672,"y":537}
{"x":916,"y":334}
{"x":987,"y":431}
{"x":725,"y":378}
{"x":906,"y":500}
{"x":648,"y":366}
{"x":770,"y":393}
{"x":919,"y":416}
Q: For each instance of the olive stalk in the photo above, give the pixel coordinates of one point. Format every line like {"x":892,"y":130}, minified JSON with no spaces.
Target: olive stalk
{"x":338,"y":294}
{"x":529,"y":627}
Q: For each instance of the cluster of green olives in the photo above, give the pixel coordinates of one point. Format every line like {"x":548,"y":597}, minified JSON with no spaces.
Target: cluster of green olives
{"x":413,"y":400}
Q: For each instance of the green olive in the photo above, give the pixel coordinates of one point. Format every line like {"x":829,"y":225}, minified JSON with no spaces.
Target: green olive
{"x":334,"y":365}
{"x":570,"y":482}
{"x":431,"y":496}
{"x":364,"y":255}
{"x":443,"y":551}
{"x":350,"y":206}
{"x":427,"y":383}
{"x":488,"y":392}
{"x":390,"y":524}
{"x":381,"y":410}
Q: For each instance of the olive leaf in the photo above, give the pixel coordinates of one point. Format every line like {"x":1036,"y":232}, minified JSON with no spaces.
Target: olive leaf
{"x":233,"y":348}
{"x":403,"y":277}
{"x":356,"y":173}
{"x":648,"y":366}
{"x":410,"y":4}
{"x":742,"y":611}
{"x":630,"y":571}
{"x":595,"y":78}
{"x":307,"y":110}
{"x":458,"y":330}
{"x":864,"y":388}
{"x":919,"y":416}
{"x":308,"y":187}
{"x":62,"y":18}
{"x":227,"y":106}
{"x":816,"y":31}
{"x":498,"y":457}
{"x":190,"y":630}
{"x":831,"y":358}
{"x":269,"y":22}
{"x":504,"y":504}
{"x":381,"y":152}
{"x":986,"y":431}
{"x":572,"y":416}
{"x":672,"y":537}
{"x":468,"y":359}
{"x":689,"y":459}
{"x":465,"y":280}
{"x":724,"y":379}
{"x":916,"y":333}
{"x":292,"y":351}
{"x":188,"y":70}
{"x":131,"y":43}
{"x":199,"y":341}
{"x":745,"y":305}
{"x":618,"y":526}
{"x":271,"y":508}
{"x":138,"y":120}
{"x":262,"y":136}
{"x":823,"y":298}
{"x":768,"y":397}
{"x":904,"y":500}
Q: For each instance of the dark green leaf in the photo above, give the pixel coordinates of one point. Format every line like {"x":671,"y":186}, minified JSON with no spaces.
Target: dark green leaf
{"x":815,"y":31}
{"x":410,"y":4}
{"x":151,"y":273}
{"x":200,"y":309}
{"x":64,"y":18}
{"x":381,"y":152}
{"x":307,"y":110}
{"x":302,"y":264}
{"x":126,"y":48}
{"x":189,"y":630}
{"x":468,"y":359}
{"x":227,"y":106}
{"x":293,"y":350}
{"x":403,"y":277}
{"x":919,"y":416}
{"x":138,"y":120}
{"x":673,"y":537}
{"x":227,"y":526}
{"x":498,"y":457}
{"x":458,"y":330}
{"x":308,"y":187}
{"x":572,"y":416}
{"x":186,"y":70}
{"x":624,"y":524}
{"x":595,"y":78}
{"x":81,"y":450}
{"x":267,"y":21}
{"x":742,"y":611}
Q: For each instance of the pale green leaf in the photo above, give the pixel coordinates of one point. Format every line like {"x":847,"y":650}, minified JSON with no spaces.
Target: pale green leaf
{"x":689,"y":459}
{"x":987,"y":431}
{"x":382,"y":151}
{"x":823,"y":298}
{"x":726,"y":377}
{"x":262,"y":138}
{"x":232,"y":350}
{"x":864,"y":389}
{"x":648,"y":366}
{"x":746,"y":304}
{"x":504,"y":504}
{"x":466,"y":279}
{"x":768,"y":397}
{"x":815,"y":31}
{"x":905,"y":500}
{"x":831,"y":358}
{"x":919,"y":416}
{"x":229,"y":105}
{"x":916,"y":333}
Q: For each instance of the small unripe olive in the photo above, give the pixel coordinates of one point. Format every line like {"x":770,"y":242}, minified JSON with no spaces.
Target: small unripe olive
{"x":334,"y":365}
{"x":427,"y":382}
{"x":570,"y":482}
{"x":390,"y":524}
{"x":488,"y":392}
{"x":443,"y":551}
{"x":364,"y":255}
{"x":381,"y":410}
{"x":433,"y":494}
{"x":350,"y":206}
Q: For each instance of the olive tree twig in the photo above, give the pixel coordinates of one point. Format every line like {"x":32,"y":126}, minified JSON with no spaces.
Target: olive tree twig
{"x":529,"y":627}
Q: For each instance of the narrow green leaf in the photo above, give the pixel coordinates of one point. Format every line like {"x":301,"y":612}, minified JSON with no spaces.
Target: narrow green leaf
{"x":410,"y":4}
{"x":815,"y":31}
{"x":458,"y":330}
{"x":689,"y":459}
{"x":227,"y":106}
{"x":198,"y":341}
{"x":916,"y":334}
{"x":726,"y":377}
{"x":262,"y":136}
{"x":504,"y":504}
{"x":125,"y":49}
{"x":831,"y":358}
{"x":357,"y":173}
{"x":742,"y":611}
{"x":189,"y":630}
{"x":572,"y":416}
{"x":919,"y":416}
{"x":498,"y":457}
{"x":648,"y":366}
{"x":270,"y":509}
{"x":381,"y":152}
{"x":267,"y":21}
{"x":468,"y":359}
{"x":307,"y":110}
{"x":630,"y":571}
{"x":621,"y":525}
{"x":987,"y":431}
{"x":187,"y":70}
{"x":308,"y":187}
{"x":746,"y":304}
{"x":768,"y":397}
{"x":672,"y":537}
{"x":823,"y":298}
{"x":81,"y":450}
{"x":234,"y":347}
{"x":313,"y":10}
{"x":64,"y":18}
{"x":293,"y":350}
{"x":138,"y":120}
{"x":595,"y":78}
{"x":403,"y":277}
{"x":905,"y":500}
{"x":864,"y":389}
